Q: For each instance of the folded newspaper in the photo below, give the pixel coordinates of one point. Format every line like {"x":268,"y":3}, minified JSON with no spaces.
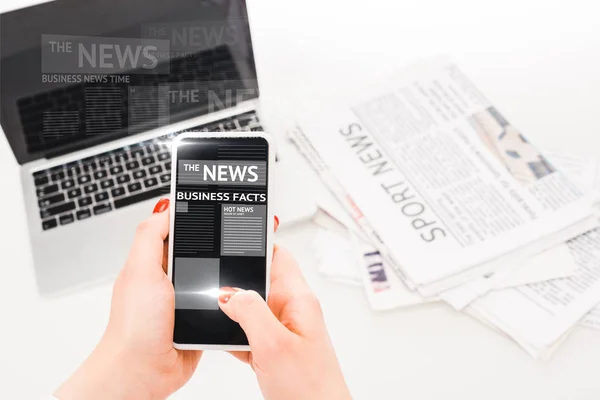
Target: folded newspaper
{"x":551,"y":291}
{"x":448,"y":189}
{"x":448,"y":199}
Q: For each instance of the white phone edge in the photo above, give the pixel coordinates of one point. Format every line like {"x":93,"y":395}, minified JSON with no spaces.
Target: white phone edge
{"x":270,"y":218}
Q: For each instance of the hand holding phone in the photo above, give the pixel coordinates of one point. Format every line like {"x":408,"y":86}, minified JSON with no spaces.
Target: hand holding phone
{"x":291,"y":351}
{"x":292,"y":355}
{"x":135,"y":357}
{"x":221,"y":232}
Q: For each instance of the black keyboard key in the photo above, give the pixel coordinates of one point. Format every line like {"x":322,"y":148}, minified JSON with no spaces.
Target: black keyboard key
{"x":101,"y":197}
{"x":116,"y":192}
{"x":72,"y":164}
{"x":42,"y":180}
{"x":37,"y":174}
{"x":102,"y":208}
{"x":68,"y":184}
{"x":123,"y":178}
{"x":89,"y":167}
{"x":104,"y":162}
{"x":51,"y":200}
{"x":50,"y":212}
{"x":125,"y":201}
{"x":163,"y":156}
{"x":74,"y":193}
{"x":90,"y":188}
{"x":83,"y":214}
{"x":165,"y":178}
{"x":101,"y":174}
{"x":72,"y":172}
{"x":58,"y":176}
{"x":151,"y":147}
{"x":162,"y":145}
{"x":49,"y":224}
{"x":139,"y":174}
{"x":132,"y":165}
{"x":47,"y":190}
{"x":148,"y":160}
{"x":84,"y":179}
{"x":134,"y":187}
{"x":66,"y":219}
{"x":150,"y":182}
{"x":139,"y":152}
{"x":168,"y":165}
{"x":86,"y":201}
{"x":155,"y":169}
{"x":120,"y":157}
{"x":117,"y":169}
{"x":107,"y":183}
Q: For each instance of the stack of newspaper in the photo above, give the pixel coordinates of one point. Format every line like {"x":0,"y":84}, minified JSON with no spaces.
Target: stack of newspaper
{"x":445,"y":200}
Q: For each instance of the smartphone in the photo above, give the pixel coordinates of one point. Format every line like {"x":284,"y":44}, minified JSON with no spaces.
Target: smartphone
{"x":221,"y":232}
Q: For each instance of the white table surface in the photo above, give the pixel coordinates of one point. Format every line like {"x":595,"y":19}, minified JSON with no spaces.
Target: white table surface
{"x":539,"y":61}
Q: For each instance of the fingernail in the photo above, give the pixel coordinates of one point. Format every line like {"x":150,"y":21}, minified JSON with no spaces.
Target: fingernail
{"x":225,"y":294}
{"x":276,"y":220}
{"x":161,"y":206}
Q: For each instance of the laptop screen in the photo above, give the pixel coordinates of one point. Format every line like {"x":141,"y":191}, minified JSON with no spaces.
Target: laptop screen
{"x":75,"y":73}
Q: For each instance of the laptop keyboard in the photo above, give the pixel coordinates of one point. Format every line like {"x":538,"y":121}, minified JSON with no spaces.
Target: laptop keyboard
{"x":102,"y":183}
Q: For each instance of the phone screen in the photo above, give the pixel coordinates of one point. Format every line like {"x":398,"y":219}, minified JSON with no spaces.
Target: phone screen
{"x":219,"y":232}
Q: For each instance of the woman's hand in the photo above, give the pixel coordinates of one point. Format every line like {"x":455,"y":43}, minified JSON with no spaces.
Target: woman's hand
{"x":291,"y":352}
{"x":135,"y":357}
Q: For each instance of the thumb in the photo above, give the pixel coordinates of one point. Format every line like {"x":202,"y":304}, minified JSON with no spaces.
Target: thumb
{"x":147,"y":251}
{"x":247,"y":308}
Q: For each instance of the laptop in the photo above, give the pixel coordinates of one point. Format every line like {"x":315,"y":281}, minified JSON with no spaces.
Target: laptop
{"x":92,"y":93}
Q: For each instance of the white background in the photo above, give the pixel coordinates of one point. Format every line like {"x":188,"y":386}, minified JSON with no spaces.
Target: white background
{"x":538,"y":61}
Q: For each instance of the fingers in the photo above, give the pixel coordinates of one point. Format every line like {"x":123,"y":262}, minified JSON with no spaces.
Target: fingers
{"x":288,"y":285}
{"x":249,"y":310}
{"x":147,"y":250}
{"x":286,"y":272}
{"x":243,"y":356}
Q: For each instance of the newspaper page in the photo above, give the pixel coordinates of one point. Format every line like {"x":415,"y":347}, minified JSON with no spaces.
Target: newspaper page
{"x":543,"y":353}
{"x":551,"y":264}
{"x":384,"y":289}
{"x":584,"y":171}
{"x":353,"y":216}
{"x":351,"y":259}
{"x":539,"y":314}
{"x":592,"y":319}
{"x":444,"y":180}
{"x":343,"y":257}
